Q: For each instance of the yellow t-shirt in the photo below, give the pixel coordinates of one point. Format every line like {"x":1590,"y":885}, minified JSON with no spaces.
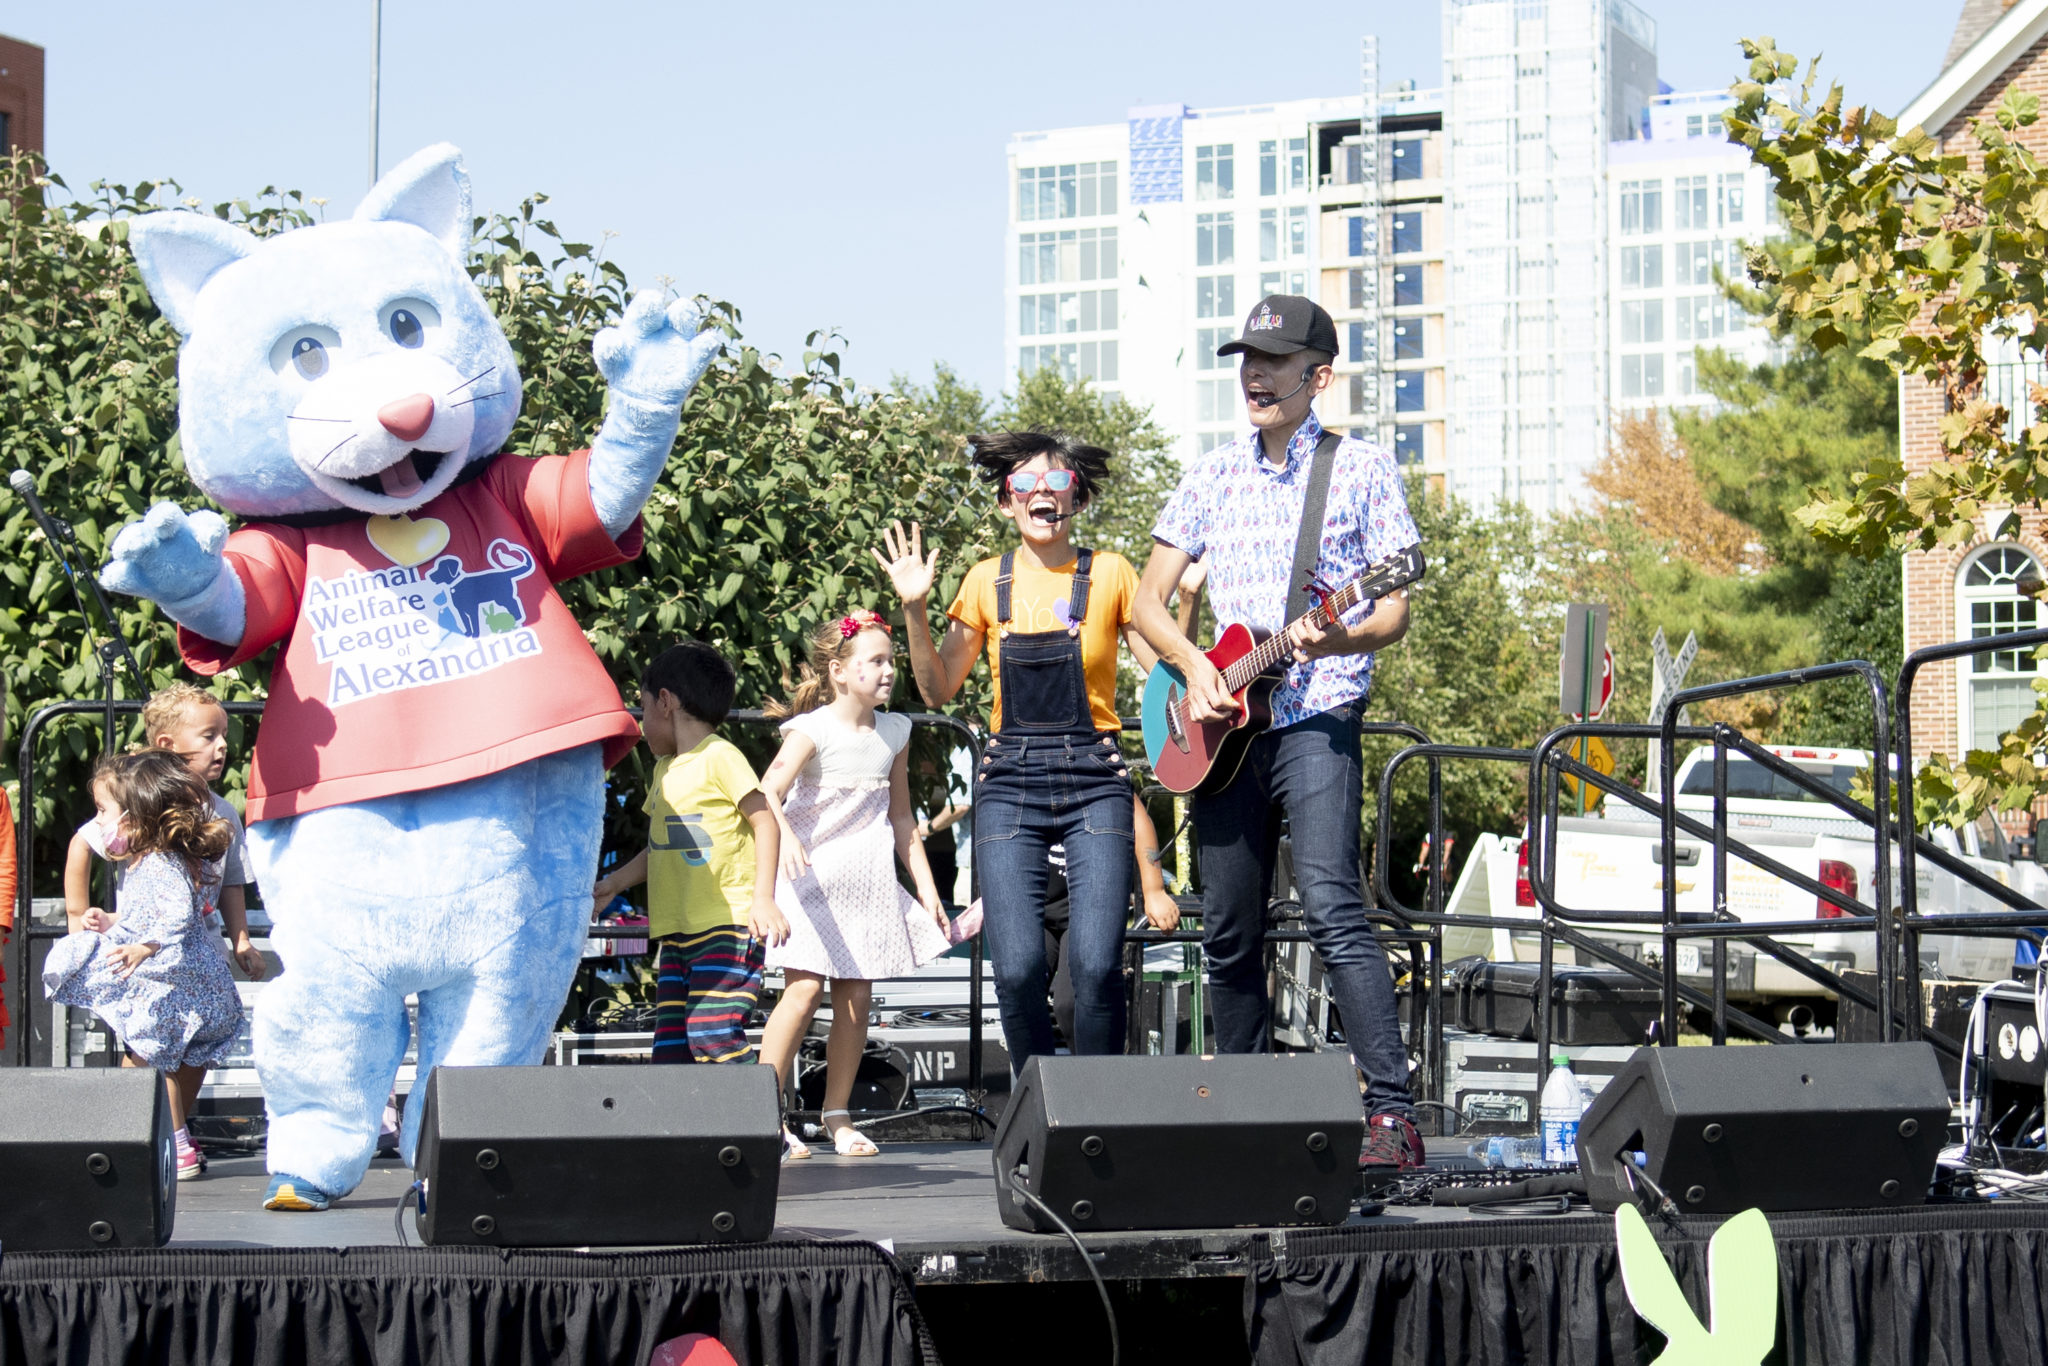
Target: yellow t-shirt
{"x":1038,"y":602}
{"x":700,"y":849}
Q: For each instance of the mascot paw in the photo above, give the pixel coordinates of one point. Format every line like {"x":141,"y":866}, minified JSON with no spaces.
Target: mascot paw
{"x":654,"y":354}
{"x":169,"y":556}
{"x":294,"y":1193}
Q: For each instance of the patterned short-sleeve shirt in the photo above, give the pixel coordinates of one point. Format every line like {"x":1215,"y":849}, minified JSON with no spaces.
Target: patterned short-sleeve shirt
{"x":1243,"y":511}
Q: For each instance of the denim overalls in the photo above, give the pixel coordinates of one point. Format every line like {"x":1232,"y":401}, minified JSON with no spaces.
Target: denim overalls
{"x":1048,"y":778}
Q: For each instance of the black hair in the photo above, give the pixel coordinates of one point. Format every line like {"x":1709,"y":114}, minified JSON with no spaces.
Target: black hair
{"x":996,"y":455}
{"x":699,"y":677}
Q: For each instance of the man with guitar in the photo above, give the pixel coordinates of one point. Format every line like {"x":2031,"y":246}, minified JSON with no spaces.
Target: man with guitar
{"x":1289,"y":494}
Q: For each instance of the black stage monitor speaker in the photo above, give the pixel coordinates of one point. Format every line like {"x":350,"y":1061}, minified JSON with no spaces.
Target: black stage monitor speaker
{"x":1785,"y":1127}
{"x":599,"y":1156}
{"x":1181,"y":1142}
{"x":86,"y":1159}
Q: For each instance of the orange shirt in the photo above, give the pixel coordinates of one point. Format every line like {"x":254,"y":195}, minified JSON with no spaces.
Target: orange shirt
{"x":1038,"y":602}
{"x":427,"y":649}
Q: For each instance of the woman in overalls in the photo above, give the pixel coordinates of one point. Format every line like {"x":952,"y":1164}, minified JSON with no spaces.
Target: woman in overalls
{"x":1051,"y":614}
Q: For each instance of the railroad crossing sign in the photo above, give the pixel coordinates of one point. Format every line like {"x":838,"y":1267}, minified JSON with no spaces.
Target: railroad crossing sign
{"x":1667,"y":676}
{"x":1670,"y":673}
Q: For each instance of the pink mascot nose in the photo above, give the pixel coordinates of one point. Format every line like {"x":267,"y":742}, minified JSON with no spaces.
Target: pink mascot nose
{"x":408,"y":418}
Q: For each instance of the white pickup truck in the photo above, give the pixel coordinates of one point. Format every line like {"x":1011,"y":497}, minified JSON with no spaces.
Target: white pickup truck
{"x":1611,"y":862}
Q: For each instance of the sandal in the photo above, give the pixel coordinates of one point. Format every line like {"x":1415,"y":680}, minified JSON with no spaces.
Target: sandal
{"x":794,"y":1149}
{"x":849,"y":1141}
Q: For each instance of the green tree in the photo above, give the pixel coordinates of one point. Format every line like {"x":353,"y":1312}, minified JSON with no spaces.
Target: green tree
{"x":88,"y":402}
{"x":780,"y":480}
{"x":956,"y":407}
{"x":1936,"y":257}
{"x":1777,"y":431}
{"x":1862,"y":617}
{"x":1477,"y":667}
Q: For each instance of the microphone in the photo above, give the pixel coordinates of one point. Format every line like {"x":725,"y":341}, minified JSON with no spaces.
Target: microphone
{"x":1308,"y":372}
{"x":24,"y":486}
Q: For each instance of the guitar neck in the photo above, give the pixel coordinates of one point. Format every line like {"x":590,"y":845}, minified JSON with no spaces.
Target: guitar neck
{"x":1275,"y":647}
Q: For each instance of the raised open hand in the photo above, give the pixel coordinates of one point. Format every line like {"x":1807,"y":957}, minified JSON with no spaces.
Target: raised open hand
{"x":657,"y":352}
{"x":168,"y":556}
{"x":909,"y":569}
{"x":174,"y":559}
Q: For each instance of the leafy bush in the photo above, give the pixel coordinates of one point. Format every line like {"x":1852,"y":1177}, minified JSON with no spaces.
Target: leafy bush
{"x":779,"y":483}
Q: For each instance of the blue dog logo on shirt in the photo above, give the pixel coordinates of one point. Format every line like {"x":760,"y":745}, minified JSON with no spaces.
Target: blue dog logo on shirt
{"x":486,"y":601}
{"x":684,"y":835}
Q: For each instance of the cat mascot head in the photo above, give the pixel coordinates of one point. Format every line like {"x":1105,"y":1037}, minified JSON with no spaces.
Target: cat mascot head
{"x":335,"y":370}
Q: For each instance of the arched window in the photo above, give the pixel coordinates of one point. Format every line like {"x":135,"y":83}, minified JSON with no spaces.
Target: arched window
{"x":1997,"y":686}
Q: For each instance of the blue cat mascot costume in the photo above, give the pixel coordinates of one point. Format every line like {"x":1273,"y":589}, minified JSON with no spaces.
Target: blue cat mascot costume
{"x":427,"y":787}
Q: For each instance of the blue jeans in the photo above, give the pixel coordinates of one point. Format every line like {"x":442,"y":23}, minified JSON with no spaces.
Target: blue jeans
{"x":1031,"y":794}
{"x":1311,"y":769}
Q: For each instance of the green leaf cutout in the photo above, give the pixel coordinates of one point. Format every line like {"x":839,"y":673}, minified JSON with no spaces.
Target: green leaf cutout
{"x":1742,"y":1289}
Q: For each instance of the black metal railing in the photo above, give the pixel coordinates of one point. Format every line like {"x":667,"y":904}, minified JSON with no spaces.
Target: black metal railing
{"x":28,"y":932}
{"x":2027,"y":916}
{"x":1892,"y":916}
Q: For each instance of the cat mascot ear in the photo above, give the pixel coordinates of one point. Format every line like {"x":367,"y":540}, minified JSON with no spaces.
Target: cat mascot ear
{"x":429,"y":190}
{"x":178,"y":252}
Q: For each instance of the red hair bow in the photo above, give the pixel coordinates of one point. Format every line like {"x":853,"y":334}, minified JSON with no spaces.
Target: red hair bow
{"x":861,"y":620}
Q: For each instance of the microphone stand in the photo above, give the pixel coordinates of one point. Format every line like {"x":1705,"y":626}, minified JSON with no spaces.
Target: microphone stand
{"x":113,"y":649}
{"x":110,"y":651}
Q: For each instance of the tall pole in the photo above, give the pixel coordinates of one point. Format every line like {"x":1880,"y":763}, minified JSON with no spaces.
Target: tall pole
{"x":376,"y":60}
{"x":1368,"y":359}
{"x":1589,"y":688}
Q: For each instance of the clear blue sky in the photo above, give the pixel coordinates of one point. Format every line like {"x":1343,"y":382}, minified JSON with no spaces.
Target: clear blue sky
{"x":819,"y":165}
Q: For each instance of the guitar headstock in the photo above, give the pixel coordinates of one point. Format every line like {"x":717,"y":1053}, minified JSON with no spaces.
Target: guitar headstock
{"x":1398,"y":570}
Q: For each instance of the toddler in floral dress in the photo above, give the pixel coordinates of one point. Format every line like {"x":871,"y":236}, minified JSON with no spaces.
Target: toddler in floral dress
{"x":153,"y":972}
{"x":841,"y":787}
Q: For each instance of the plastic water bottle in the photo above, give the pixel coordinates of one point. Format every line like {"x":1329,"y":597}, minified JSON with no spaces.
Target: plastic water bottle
{"x":1561,"y":1106}
{"x":1507,"y":1152}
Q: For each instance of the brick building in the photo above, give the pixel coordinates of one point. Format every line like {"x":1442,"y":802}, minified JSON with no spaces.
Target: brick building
{"x":1970,"y":590}
{"x":21,"y":96}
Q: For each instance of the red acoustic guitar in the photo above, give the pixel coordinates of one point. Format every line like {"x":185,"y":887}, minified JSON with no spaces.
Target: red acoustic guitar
{"x":1203,"y":756}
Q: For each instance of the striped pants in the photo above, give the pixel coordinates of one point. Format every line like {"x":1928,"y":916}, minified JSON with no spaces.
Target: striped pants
{"x":705,"y":986}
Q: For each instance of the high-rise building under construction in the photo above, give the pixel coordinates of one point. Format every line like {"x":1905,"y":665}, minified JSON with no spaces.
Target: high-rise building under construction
{"x":1483,"y":247}
{"x":1535,"y":92}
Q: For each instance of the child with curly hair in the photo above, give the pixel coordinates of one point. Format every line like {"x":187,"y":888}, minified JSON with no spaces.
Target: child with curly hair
{"x":152,"y":971}
{"x":192,"y":724}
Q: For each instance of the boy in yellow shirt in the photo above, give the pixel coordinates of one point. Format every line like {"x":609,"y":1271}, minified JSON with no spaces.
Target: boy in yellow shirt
{"x":709,"y":862}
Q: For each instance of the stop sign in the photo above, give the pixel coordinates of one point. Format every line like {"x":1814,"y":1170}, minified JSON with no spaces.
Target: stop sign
{"x":1606,"y":689}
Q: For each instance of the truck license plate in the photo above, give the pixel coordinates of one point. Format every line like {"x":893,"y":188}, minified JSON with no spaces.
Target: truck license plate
{"x":1689,"y":960}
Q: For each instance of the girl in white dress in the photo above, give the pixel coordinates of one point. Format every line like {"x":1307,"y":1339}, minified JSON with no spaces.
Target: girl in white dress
{"x":840,"y":788}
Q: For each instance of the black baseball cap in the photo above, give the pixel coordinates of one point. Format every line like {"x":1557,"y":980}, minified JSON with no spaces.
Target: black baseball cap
{"x":1283,"y":324}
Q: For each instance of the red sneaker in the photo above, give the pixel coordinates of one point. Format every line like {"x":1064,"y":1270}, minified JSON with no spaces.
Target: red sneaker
{"x":1391,"y":1141}
{"x":190,"y":1164}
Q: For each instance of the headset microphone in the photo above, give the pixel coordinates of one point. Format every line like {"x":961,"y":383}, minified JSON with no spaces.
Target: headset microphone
{"x":1308,"y":372}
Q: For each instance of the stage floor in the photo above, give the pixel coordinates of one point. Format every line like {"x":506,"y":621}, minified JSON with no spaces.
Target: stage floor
{"x":933,"y":1204}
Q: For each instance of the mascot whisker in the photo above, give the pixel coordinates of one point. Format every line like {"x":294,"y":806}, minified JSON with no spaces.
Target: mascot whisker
{"x":427,"y":788}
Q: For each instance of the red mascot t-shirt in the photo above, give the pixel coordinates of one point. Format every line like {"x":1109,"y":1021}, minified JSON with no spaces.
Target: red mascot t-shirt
{"x":425,"y":649}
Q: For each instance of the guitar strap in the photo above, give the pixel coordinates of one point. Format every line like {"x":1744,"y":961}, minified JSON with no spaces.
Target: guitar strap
{"x":1308,"y":543}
